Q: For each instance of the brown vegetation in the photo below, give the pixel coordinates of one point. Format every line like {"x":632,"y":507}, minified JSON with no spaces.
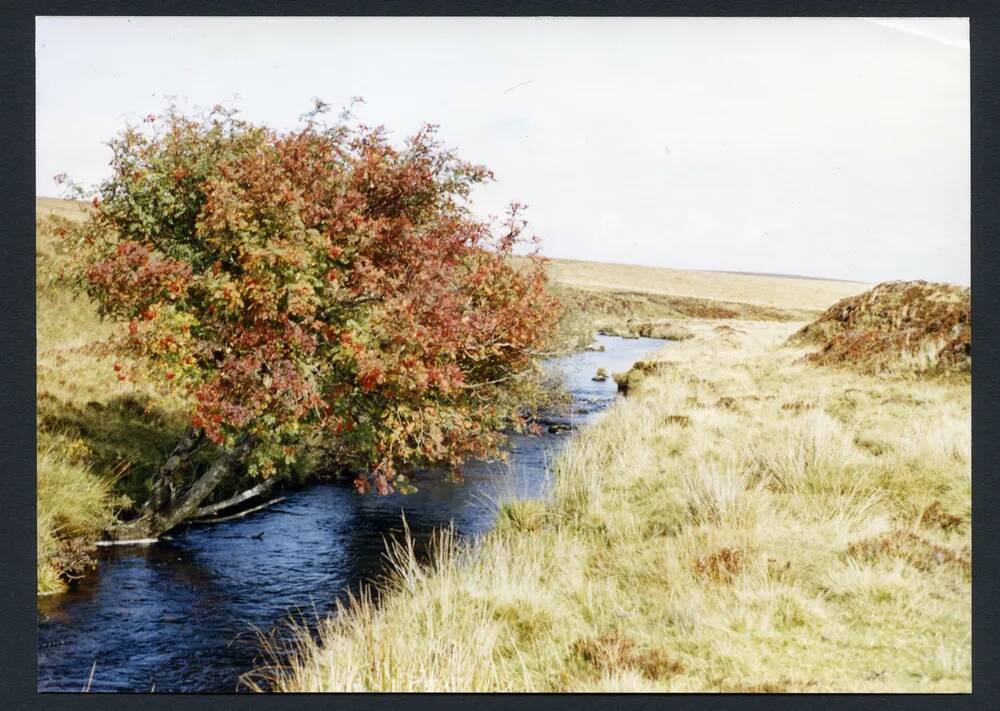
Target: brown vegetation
{"x":721,"y":566}
{"x":914,"y":326}
{"x":682,"y":420}
{"x":614,"y":651}
{"x":911,"y":548}
{"x":934,"y":516}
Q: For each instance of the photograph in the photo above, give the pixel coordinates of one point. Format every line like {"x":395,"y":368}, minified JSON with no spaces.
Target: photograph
{"x":503,"y":354}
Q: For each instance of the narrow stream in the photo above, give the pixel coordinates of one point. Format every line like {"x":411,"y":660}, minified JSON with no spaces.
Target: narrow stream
{"x":181,"y":615}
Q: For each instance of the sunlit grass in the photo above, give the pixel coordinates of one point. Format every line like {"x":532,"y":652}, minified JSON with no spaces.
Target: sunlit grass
{"x":741,"y":522}
{"x":98,"y":437}
{"x":74,"y":505}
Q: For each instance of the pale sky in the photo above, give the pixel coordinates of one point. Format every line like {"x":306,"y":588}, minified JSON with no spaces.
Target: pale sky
{"x":820,"y":147}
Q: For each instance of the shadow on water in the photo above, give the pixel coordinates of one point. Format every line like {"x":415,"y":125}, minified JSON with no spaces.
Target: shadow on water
{"x":182,"y":615}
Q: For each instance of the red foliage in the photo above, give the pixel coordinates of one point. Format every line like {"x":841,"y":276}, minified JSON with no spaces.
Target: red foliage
{"x":320,"y":285}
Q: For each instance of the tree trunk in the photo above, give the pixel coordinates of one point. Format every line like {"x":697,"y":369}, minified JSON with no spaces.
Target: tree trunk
{"x":166,"y":488}
{"x":168,"y":506}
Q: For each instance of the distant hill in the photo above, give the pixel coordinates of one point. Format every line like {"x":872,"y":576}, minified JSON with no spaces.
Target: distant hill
{"x":56,"y":206}
{"x":783,"y":292}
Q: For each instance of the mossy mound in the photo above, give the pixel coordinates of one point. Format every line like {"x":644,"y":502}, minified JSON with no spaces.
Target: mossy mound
{"x":899,"y":326}
{"x":628,"y":380}
{"x":634,"y":328}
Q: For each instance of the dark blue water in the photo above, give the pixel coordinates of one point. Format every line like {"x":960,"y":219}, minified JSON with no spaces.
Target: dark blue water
{"x":183,"y":614}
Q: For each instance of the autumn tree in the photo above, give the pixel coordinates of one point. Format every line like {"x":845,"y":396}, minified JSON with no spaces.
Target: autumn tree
{"x":319,"y":287}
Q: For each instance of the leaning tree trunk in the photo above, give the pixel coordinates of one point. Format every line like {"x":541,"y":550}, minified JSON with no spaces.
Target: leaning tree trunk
{"x":168,"y":485}
{"x":169,"y":503}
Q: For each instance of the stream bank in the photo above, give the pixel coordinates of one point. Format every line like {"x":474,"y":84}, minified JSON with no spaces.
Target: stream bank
{"x":182,"y":614}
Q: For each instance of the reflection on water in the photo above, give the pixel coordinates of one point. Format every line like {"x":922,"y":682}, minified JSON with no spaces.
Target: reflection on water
{"x":182,"y":615}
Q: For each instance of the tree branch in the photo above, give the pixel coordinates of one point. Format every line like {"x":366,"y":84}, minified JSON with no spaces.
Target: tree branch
{"x":261,"y":488}
{"x":241,"y":514}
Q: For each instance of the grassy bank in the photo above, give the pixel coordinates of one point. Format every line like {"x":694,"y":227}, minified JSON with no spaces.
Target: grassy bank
{"x":742,"y":521}
{"x":98,"y":438}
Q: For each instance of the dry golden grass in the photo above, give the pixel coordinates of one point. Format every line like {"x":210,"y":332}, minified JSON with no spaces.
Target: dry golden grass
{"x":791,"y":293}
{"x":742,"y":521}
{"x":71,"y":209}
{"x":98,"y":438}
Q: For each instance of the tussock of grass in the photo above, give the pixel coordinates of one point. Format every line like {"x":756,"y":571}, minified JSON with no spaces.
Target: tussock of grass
{"x":74,"y":505}
{"x":755,"y":549}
